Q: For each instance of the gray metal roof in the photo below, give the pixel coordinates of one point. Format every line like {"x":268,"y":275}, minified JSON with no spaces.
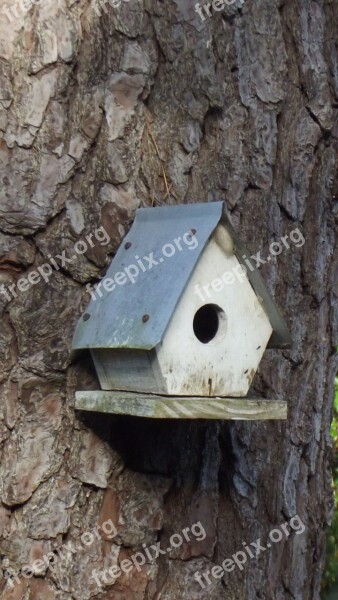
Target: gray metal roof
{"x":136,"y":315}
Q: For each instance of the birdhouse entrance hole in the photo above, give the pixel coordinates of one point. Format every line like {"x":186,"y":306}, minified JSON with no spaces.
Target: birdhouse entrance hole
{"x":209,"y":323}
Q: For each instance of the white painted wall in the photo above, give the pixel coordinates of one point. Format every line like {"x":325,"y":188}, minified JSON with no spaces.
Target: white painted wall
{"x":231,"y":359}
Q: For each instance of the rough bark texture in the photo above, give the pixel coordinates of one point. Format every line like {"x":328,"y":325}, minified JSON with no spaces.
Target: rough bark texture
{"x":93,"y":112}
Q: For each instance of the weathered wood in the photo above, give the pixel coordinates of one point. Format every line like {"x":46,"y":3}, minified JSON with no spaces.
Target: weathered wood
{"x":218,"y":329}
{"x":164,"y":407}
{"x":128,"y":370}
{"x":227,"y":364}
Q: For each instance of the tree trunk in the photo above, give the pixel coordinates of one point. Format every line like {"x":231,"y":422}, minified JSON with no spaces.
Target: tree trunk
{"x":149,"y":105}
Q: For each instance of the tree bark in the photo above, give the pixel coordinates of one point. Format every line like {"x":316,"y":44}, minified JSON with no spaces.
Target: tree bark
{"x":148,"y":105}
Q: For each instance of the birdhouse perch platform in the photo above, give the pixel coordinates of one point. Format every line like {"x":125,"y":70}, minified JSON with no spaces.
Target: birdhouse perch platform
{"x":166,"y":407}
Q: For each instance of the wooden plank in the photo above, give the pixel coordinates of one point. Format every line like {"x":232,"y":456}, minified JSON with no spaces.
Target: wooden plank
{"x":166,"y":407}
{"x":128,"y":370}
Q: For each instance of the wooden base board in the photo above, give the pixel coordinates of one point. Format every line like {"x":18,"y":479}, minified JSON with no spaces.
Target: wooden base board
{"x":166,"y":407}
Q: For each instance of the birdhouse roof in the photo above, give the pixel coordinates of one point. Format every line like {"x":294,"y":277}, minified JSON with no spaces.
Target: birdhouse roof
{"x":136,"y":314}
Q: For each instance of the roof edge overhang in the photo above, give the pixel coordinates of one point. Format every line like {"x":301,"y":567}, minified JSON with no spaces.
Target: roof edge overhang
{"x":281,"y":336}
{"x":196,"y":216}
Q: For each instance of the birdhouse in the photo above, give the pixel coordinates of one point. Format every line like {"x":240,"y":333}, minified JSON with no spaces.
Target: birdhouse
{"x":179,"y":324}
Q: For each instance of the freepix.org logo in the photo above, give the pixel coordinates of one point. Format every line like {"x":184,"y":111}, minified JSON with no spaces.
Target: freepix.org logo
{"x":144,"y":264}
{"x":251,"y":551}
{"x":12,"y":11}
{"x":45,"y":270}
{"x":101,"y":5}
{"x":215,"y":5}
{"x":148,"y":554}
